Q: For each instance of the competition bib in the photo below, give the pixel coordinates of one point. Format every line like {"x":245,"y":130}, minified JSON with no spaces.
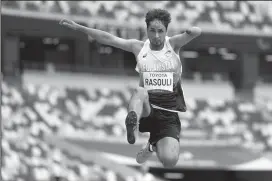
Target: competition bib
{"x":158,"y":80}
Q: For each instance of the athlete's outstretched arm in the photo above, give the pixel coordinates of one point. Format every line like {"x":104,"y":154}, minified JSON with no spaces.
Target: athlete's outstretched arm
{"x":180,"y":40}
{"x":102,"y":36}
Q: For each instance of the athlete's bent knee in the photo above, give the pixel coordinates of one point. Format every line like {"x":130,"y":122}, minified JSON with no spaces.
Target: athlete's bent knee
{"x":169,"y":161}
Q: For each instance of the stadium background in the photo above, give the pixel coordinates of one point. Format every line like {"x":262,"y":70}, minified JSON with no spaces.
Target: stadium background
{"x":64,"y":96}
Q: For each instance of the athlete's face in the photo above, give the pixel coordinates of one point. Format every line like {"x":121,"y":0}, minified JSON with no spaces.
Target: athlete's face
{"x":156,"y":32}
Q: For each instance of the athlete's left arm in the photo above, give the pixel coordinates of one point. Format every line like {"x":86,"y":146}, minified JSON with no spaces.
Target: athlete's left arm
{"x":180,"y":40}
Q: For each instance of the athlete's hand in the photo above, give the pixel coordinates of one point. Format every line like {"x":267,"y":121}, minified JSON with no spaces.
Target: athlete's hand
{"x":68,"y":23}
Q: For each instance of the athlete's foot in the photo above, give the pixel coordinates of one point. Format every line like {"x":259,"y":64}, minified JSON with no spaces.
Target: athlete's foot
{"x":144,"y":154}
{"x":132,"y":127}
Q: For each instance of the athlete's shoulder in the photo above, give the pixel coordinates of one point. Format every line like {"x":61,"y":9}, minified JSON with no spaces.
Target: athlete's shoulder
{"x":168,"y":40}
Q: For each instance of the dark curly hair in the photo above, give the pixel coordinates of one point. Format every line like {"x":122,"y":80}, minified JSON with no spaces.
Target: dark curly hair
{"x":159,"y":14}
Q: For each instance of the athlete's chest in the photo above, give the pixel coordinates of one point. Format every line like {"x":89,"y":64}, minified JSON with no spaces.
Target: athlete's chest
{"x":163,"y":61}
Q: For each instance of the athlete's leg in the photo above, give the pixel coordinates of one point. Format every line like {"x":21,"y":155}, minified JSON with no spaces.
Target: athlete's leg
{"x":168,"y":150}
{"x":145,"y":153}
{"x":139,"y":103}
{"x":138,"y":107}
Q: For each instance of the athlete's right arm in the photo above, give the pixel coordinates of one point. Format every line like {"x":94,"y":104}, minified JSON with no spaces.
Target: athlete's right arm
{"x":103,"y":37}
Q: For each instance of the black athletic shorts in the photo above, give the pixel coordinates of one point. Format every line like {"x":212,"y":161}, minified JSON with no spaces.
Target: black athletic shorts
{"x":160,"y":124}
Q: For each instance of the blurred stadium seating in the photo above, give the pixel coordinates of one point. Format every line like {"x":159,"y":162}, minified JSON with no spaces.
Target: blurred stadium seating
{"x":29,"y":112}
{"x":32,"y":111}
{"x":251,"y":16}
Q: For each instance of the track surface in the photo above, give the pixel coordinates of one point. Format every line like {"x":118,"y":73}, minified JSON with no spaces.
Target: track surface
{"x":203,"y":156}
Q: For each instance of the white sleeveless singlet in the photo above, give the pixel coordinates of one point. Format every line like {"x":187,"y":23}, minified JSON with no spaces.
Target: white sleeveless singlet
{"x":160,"y":71}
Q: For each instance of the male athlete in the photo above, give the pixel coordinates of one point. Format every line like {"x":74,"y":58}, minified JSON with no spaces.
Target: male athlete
{"x":156,"y":102}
